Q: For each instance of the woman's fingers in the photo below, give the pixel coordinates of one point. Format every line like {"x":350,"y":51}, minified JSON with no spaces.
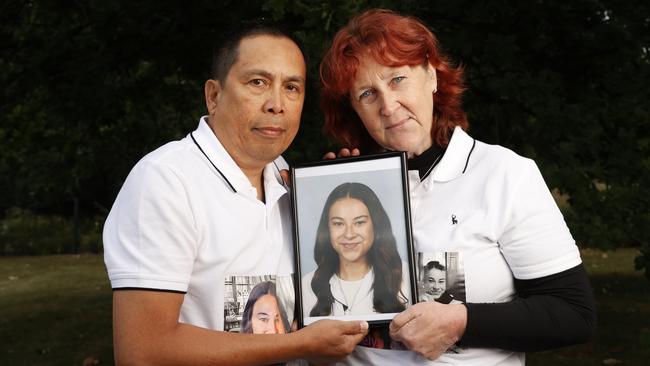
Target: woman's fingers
{"x":343,"y":153}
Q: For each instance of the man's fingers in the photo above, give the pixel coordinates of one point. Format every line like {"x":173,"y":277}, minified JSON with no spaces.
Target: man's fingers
{"x":344,"y":153}
{"x":294,"y":325}
{"x":356,"y":152}
{"x":356,"y":327}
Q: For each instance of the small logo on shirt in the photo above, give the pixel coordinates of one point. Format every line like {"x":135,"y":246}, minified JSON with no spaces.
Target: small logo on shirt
{"x":453,"y":220}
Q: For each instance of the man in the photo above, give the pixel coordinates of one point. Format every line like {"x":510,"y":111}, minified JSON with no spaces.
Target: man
{"x":213,"y":206}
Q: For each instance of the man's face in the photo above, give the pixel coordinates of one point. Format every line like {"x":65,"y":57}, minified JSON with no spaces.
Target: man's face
{"x":255,"y":111}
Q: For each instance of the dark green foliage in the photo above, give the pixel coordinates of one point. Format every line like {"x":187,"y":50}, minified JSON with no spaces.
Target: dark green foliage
{"x":90,"y":87}
{"x":24,"y":233}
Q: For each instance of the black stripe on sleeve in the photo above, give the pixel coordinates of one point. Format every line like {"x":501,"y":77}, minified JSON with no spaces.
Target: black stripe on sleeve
{"x":148,"y":289}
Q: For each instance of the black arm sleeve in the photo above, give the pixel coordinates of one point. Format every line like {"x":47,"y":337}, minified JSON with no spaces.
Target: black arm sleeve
{"x":547,"y":312}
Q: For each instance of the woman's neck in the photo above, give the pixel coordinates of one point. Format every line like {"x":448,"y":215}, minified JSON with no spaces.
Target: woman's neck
{"x":425,"y":162}
{"x":353,"y":271}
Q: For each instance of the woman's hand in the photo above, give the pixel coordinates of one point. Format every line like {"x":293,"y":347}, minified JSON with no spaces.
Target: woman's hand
{"x":286,"y":176}
{"x":343,"y":153}
{"x":430,"y":328}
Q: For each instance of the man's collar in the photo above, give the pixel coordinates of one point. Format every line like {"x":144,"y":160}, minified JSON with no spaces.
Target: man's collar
{"x":220,"y":157}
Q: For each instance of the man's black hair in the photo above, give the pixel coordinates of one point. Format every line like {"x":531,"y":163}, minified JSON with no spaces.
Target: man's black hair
{"x":224,"y":55}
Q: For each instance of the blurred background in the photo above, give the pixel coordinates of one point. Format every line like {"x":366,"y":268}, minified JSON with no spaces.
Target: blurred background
{"x":89,"y":87}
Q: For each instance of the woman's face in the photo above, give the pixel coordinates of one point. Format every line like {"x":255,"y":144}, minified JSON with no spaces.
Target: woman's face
{"x":434,"y":282}
{"x":395,"y":104}
{"x":351,"y":230}
{"x":266,"y":317}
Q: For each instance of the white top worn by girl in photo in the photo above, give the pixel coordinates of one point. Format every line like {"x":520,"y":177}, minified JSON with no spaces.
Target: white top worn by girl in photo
{"x":351,"y":297}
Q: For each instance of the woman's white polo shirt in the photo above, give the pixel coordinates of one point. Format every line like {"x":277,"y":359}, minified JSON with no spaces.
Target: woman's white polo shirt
{"x":494,"y":208}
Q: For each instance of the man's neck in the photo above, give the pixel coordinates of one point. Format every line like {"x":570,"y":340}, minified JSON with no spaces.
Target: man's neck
{"x":256,"y":176}
{"x":253,"y":170}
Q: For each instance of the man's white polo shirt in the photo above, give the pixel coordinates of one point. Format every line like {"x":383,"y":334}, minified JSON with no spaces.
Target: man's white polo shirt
{"x":493,"y":207}
{"x":178,"y":225}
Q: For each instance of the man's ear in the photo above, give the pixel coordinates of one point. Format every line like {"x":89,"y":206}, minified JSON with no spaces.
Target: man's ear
{"x":212,"y":90}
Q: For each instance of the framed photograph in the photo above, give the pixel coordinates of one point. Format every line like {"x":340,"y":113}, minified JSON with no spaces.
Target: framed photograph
{"x":354,"y":248}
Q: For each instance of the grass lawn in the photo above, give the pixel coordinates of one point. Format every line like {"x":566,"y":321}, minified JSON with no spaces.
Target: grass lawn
{"x":56,"y":310}
{"x":623,"y":303}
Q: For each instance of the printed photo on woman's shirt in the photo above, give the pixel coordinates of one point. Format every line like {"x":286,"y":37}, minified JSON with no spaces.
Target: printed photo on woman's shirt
{"x":441,"y":277}
{"x":259,"y":304}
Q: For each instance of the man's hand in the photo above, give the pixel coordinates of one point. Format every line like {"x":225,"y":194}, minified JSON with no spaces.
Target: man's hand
{"x":329,"y":341}
{"x":146,"y":331}
{"x":343,"y":153}
{"x":430,"y":328}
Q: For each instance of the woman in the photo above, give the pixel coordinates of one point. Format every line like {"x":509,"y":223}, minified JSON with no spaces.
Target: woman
{"x":388,"y":86}
{"x":433,"y":281}
{"x":355,"y":249}
{"x":262,"y":313}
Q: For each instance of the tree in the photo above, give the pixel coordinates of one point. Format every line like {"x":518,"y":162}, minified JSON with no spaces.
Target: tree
{"x":91,"y":87}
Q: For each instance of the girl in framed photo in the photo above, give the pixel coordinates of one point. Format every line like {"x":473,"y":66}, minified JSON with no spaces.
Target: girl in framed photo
{"x":359,"y":270}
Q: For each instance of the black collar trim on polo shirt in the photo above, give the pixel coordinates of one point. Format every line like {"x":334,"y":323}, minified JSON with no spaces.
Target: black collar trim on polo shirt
{"x":468,"y":155}
{"x":218,"y":170}
{"x":425,"y":162}
{"x":284,"y":184}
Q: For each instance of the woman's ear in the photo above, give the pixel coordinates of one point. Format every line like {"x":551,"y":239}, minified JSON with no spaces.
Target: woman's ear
{"x":433,"y":78}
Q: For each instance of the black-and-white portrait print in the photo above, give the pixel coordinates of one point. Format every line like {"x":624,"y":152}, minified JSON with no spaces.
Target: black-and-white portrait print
{"x":441,"y":277}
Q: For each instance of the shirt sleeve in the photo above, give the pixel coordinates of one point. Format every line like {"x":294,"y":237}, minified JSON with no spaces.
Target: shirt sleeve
{"x":548,"y":312}
{"x":535,"y":240}
{"x":150,"y":234}
{"x":553,"y":304}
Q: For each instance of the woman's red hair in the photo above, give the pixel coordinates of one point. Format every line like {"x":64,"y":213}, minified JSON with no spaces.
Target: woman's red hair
{"x":392,"y":40}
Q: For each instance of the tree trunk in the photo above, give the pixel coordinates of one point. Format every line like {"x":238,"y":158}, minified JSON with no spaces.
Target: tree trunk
{"x":75,"y":223}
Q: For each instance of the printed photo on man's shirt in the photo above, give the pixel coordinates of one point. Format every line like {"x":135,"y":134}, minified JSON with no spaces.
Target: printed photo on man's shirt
{"x":441,"y":277}
{"x":259,"y":304}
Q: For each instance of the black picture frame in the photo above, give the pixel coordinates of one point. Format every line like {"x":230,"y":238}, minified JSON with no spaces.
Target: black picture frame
{"x":316,"y":185}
